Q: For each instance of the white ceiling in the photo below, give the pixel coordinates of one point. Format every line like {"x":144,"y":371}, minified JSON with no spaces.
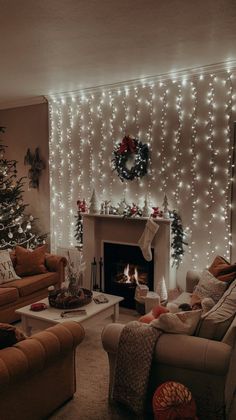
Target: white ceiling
{"x":50,"y":46}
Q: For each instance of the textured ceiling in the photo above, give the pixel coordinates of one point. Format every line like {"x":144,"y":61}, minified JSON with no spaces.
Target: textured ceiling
{"x":50,"y":46}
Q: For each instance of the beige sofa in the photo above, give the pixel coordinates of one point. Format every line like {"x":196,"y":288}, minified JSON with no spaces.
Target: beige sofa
{"x":18,"y":293}
{"x":206,"y":366}
{"x":37,"y":375}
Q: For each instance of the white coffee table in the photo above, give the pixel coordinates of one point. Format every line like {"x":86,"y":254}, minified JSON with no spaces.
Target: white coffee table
{"x":51,"y":316}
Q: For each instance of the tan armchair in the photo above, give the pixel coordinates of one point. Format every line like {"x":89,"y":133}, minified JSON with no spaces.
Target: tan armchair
{"x":206,"y":367}
{"x":37,"y":375}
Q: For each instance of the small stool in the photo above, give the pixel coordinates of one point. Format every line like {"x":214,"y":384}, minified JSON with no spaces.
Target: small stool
{"x":173,"y":400}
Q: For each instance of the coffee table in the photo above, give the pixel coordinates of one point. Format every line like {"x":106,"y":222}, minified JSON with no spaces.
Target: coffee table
{"x":51,"y":316}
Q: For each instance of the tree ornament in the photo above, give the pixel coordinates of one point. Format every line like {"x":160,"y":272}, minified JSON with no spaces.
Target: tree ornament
{"x":20,"y":230}
{"x":130,"y":159}
{"x":161,"y":290}
{"x":122,"y":206}
{"x":10,"y":235}
{"x":93,"y":208}
{"x":146,"y":209}
{"x":165,"y":208}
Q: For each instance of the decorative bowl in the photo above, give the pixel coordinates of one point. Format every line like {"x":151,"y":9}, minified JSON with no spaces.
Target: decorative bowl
{"x":61,"y":299}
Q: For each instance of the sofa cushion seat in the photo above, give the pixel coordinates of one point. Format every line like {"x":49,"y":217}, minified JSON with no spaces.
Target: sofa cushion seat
{"x":30,"y":284}
{"x":8,"y":295}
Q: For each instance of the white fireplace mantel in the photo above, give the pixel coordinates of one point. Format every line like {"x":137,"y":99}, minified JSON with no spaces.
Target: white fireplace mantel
{"x":99,"y":228}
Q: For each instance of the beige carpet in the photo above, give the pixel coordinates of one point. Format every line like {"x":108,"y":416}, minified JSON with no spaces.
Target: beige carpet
{"x":91,"y":398}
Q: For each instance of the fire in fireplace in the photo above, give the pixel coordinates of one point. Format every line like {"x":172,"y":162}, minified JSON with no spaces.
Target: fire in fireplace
{"x":124,"y":269}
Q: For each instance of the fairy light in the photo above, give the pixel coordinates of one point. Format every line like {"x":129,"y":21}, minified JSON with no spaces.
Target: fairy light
{"x":210,"y":145}
{"x":161,"y":154}
{"x":85,"y":128}
{"x":194,"y":175}
{"x":177,"y":144}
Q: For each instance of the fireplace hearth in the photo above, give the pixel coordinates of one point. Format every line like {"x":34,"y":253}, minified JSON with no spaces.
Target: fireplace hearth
{"x":124,"y":269}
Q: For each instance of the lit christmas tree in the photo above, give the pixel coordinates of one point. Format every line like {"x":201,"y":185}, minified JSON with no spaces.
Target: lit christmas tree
{"x":16,"y":228}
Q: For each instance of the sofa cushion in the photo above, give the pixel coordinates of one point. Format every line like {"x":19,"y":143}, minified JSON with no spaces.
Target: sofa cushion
{"x":30,"y":284}
{"x":222,"y":269}
{"x":178,"y":323}
{"x":215,"y":323}
{"x":8,"y":295}
{"x":30,"y":262}
{"x":7,"y":272}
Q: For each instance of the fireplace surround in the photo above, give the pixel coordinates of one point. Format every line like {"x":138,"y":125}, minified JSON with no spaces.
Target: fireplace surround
{"x":99,"y":229}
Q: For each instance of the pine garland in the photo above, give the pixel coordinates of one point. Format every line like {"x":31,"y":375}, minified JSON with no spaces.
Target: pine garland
{"x":79,"y":228}
{"x":178,"y":242}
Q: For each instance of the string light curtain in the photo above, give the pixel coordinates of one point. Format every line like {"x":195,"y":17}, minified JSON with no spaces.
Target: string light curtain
{"x":186,"y":122}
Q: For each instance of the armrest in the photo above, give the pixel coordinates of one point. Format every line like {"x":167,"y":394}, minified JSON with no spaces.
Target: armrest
{"x":195,"y":353}
{"x":32,"y":354}
{"x":110,"y":337}
{"x":192,"y":279}
{"x":183,"y":351}
{"x":56,"y":264}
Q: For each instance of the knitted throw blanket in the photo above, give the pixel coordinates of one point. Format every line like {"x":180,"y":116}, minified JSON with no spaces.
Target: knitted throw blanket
{"x":134,"y":358}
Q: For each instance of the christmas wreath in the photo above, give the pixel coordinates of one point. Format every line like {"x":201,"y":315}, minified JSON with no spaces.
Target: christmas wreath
{"x":130,"y":159}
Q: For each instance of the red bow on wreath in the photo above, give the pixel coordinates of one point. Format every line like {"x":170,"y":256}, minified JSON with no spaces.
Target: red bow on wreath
{"x":127,"y":144}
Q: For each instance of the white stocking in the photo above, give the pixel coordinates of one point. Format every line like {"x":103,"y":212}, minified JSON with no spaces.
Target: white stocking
{"x":146,"y":239}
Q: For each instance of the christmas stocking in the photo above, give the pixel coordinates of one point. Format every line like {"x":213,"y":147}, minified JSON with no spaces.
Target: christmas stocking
{"x":146,"y":239}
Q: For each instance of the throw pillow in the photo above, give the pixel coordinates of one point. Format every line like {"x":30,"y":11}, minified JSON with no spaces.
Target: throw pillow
{"x":208,"y":287}
{"x":9,"y":335}
{"x":178,"y":323}
{"x":222,"y":269}
{"x":153,"y":314}
{"x":30,"y":262}
{"x":215,"y":323}
{"x":7,"y":272}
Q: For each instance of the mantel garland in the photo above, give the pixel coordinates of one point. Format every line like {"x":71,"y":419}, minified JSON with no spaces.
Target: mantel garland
{"x":177,"y":243}
{"x":177,"y":230}
{"x":130,"y":148}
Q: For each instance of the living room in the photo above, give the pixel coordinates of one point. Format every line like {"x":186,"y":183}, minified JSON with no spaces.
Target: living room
{"x":88,"y":84}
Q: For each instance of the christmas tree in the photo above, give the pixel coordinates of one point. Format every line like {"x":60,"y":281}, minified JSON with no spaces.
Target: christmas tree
{"x":16,"y":227}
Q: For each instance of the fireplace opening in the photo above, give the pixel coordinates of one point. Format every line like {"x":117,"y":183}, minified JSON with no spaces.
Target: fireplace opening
{"x":124,"y":269}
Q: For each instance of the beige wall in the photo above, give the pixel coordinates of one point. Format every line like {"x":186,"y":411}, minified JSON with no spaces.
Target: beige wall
{"x":27,"y":127}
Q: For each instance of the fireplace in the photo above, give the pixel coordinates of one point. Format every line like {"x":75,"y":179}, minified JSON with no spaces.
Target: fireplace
{"x":100,"y":229}
{"x":124,"y":269}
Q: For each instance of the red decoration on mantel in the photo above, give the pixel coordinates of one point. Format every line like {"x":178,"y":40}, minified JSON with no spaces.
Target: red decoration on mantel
{"x":81,"y":206}
{"x":157,"y":212}
{"x":127,"y":145}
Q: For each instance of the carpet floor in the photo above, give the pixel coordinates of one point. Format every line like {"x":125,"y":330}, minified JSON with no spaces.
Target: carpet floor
{"x":92,"y":371}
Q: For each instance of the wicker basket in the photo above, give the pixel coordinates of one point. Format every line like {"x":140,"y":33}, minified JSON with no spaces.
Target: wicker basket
{"x":69,"y":302}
